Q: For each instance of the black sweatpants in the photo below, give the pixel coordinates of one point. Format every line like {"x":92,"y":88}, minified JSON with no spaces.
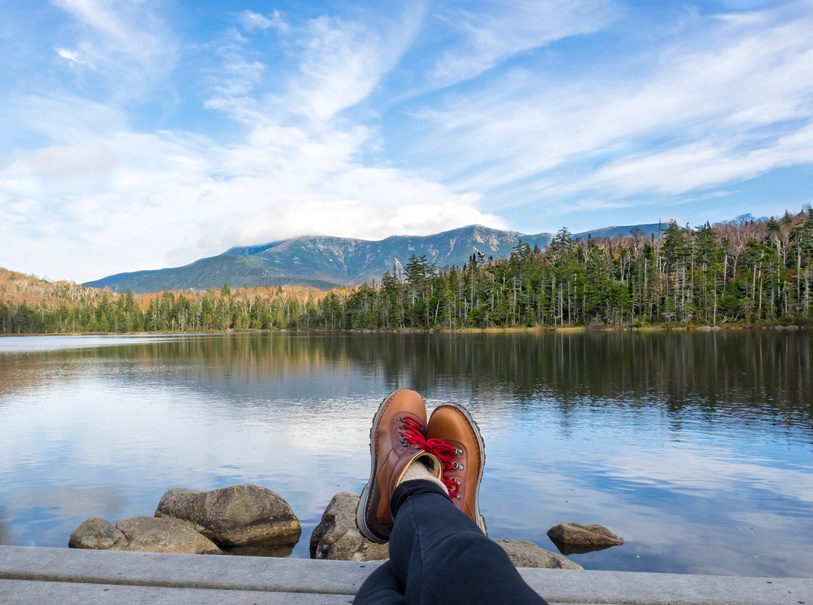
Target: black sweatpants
{"x":439,"y":555}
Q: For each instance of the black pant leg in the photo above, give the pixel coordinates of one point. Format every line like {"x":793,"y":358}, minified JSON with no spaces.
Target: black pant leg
{"x":381,"y":587}
{"x":439,"y":555}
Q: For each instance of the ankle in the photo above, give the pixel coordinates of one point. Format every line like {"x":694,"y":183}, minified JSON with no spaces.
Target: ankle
{"x":419,"y":471}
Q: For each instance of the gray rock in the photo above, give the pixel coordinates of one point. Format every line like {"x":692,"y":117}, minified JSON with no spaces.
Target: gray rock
{"x":583,"y":535}
{"x":336,"y":537}
{"x":247,"y":517}
{"x":148,"y":534}
{"x":97,"y":534}
{"x":528,"y":554}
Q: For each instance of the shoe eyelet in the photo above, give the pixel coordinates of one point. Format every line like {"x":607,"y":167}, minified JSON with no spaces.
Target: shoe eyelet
{"x":457,"y":496}
{"x":458,"y":451}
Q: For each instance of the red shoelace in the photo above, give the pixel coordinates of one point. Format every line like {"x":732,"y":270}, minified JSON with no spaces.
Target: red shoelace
{"x":412,"y":432}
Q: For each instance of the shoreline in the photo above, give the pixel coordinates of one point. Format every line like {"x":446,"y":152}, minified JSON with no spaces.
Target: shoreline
{"x":443,"y":330}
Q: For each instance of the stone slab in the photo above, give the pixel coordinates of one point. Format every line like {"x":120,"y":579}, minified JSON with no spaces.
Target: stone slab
{"x":25,"y":592}
{"x":224,"y":572}
{"x":69,"y":571}
{"x":636,"y":588}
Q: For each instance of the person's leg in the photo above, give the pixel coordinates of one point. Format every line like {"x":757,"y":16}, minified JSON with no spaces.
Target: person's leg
{"x":437,"y":551}
{"x":381,"y":587}
{"x":439,"y":555}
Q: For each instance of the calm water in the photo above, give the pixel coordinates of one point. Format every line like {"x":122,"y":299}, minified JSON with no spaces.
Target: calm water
{"x":695,"y":447}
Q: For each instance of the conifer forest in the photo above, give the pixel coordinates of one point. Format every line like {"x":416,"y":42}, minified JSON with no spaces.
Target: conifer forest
{"x":741,"y":272}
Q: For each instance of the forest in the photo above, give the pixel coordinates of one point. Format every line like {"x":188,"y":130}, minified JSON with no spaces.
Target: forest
{"x":747,"y":271}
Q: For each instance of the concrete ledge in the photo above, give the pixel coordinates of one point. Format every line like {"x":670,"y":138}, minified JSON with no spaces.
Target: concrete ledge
{"x":86,"y":576}
{"x":24,"y":592}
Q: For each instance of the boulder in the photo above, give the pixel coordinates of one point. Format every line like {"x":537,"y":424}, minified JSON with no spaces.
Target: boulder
{"x":97,"y":534}
{"x":528,"y":554}
{"x":148,"y":534}
{"x":577,"y":537}
{"x":336,"y":537}
{"x":244,"y":519}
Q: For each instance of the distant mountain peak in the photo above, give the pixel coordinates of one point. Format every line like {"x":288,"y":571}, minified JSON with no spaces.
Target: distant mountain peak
{"x":326,"y":261}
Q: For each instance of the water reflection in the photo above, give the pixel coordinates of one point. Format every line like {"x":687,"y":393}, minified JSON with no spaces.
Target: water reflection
{"x":695,"y":447}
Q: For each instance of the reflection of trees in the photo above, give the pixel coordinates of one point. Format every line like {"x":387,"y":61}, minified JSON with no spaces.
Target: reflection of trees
{"x":748,"y":373}
{"x":23,"y":371}
{"x":744,"y":374}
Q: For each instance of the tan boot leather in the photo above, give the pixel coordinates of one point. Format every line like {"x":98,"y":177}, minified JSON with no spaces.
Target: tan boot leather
{"x":395,"y":443}
{"x":454,"y":425}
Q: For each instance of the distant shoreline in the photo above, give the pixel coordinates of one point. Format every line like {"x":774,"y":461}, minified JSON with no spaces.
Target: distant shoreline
{"x":468,"y":330}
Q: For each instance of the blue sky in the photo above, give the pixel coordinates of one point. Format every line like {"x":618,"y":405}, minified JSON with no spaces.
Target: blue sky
{"x":141,"y":134}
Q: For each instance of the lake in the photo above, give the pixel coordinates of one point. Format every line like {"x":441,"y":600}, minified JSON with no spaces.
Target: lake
{"x":696,"y":447}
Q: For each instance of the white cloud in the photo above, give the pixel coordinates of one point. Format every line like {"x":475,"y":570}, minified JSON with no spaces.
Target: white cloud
{"x":501,"y":29}
{"x":166,"y":198}
{"x":70,"y":55}
{"x":63,"y":161}
{"x":126,"y":43}
{"x":342,"y":62}
{"x":338,"y":64}
{"x":251,"y":21}
{"x":700,"y":165}
{"x":704,"y":102}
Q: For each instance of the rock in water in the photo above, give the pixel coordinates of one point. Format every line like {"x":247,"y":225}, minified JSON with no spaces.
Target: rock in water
{"x":336,"y":537}
{"x":528,"y":554}
{"x":583,"y":535}
{"x":149,"y":534}
{"x":245,"y":517}
{"x":97,"y":534}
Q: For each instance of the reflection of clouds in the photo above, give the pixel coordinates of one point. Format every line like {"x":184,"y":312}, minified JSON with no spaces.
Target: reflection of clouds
{"x":711,"y":469}
{"x":35,"y":344}
{"x":3,"y":531}
{"x":148,"y":436}
{"x":683,"y":507}
{"x":41,"y":517}
{"x":68,"y":501}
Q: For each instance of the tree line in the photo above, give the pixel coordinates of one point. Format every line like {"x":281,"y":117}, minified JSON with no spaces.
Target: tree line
{"x":746,"y":271}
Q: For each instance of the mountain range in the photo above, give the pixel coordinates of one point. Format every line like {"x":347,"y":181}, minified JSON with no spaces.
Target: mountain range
{"x":328,"y":262}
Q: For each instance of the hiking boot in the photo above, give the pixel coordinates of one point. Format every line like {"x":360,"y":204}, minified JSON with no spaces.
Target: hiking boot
{"x":396,"y":441}
{"x":463,"y":469}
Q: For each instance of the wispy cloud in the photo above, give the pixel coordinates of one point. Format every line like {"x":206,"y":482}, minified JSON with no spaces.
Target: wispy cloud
{"x":70,"y":55}
{"x":501,"y":29}
{"x":126,"y":43}
{"x":342,"y":62}
{"x":704,"y":103}
{"x":251,"y":21}
{"x":62,"y":161}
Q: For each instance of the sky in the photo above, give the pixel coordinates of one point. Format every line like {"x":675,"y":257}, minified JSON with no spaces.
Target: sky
{"x":140,"y":134}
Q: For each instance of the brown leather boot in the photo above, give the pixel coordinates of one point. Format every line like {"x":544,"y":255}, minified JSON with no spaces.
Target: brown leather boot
{"x":464,"y":469}
{"x":396,"y":441}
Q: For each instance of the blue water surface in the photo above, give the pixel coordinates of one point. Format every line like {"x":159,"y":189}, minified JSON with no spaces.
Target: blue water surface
{"x":696,"y":448}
